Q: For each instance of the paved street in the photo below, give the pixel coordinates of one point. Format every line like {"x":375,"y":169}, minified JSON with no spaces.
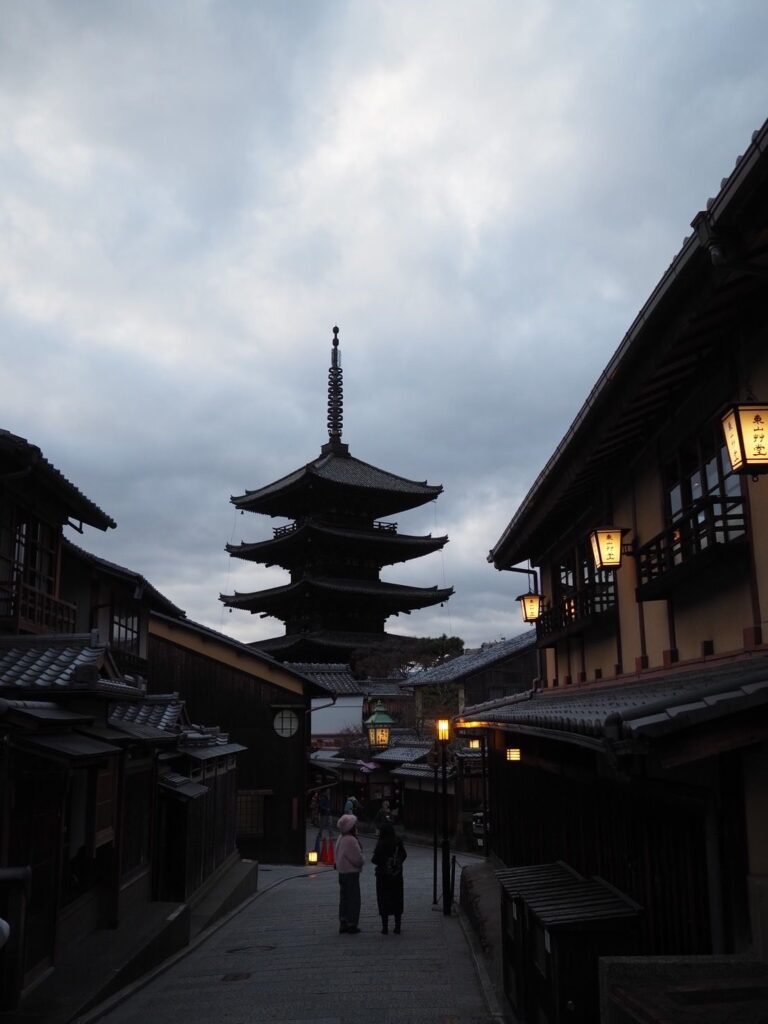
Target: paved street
{"x":280,"y":958}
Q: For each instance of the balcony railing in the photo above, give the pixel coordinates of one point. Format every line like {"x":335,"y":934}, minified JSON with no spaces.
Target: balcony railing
{"x":284,"y":531}
{"x":577,"y":611}
{"x":699,"y":536}
{"x":26,"y":610}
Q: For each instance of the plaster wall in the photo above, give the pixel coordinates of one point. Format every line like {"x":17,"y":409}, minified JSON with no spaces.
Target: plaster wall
{"x":600,"y":655}
{"x":712,"y":614}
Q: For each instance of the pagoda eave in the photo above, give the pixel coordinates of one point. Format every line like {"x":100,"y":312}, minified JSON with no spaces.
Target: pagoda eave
{"x":387,"y":599}
{"x":382,"y":546}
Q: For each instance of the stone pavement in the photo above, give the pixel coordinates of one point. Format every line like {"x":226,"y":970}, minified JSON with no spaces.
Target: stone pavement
{"x":280,"y":958}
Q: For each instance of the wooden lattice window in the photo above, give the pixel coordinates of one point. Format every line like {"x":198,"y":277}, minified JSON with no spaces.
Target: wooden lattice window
{"x":250,"y":811}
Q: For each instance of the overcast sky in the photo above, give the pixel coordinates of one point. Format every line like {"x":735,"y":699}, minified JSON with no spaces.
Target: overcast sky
{"x":480,"y":194}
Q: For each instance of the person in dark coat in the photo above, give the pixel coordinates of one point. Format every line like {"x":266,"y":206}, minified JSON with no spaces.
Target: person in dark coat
{"x":388,"y":858}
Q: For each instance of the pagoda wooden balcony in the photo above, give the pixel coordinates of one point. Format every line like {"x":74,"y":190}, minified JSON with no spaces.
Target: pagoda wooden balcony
{"x":711,"y":533}
{"x":591,"y":606}
{"x":23,"y":609}
{"x":284,"y":531}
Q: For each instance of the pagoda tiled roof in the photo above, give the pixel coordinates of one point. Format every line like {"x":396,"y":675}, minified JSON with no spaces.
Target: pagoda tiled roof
{"x":393,"y":595}
{"x":465,"y":665}
{"x":286,"y":547}
{"x":338,"y":470}
{"x":322,"y":641}
{"x":16,"y":453}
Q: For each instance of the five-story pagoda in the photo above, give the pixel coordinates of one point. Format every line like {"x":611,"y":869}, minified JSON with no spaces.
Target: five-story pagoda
{"x":334,"y":549}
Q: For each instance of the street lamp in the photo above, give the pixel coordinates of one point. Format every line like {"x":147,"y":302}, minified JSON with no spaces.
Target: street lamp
{"x":443,"y":736}
{"x":379,"y":726}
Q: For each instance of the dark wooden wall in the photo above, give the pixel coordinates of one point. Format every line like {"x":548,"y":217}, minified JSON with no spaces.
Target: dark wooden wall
{"x":646,"y":840}
{"x":245,"y":707}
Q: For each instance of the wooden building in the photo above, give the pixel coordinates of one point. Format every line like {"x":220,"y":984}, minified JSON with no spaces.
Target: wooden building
{"x":91,"y":769}
{"x":490,"y":672}
{"x":334,"y":547}
{"x":642,"y":757}
{"x":264,"y":706}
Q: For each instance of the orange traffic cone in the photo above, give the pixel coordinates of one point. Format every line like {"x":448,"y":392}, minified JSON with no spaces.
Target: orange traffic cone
{"x":326,"y":854}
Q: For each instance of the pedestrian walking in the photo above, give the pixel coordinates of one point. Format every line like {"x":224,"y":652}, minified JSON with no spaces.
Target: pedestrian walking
{"x":349,"y":864}
{"x":350,"y":807}
{"x":388,"y":858}
{"x":383,"y":815}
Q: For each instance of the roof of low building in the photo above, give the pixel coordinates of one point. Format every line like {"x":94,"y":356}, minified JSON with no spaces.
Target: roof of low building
{"x":471,"y":662}
{"x":647,"y":709}
{"x":402,"y":753}
{"x":336,"y":677}
{"x":61,"y":663}
{"x":414,"y":771}
{"x":393,"y":688}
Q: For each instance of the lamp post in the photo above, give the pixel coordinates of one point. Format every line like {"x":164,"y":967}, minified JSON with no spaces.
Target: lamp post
{"x":443,"y":736}
{"x":379,"y":726}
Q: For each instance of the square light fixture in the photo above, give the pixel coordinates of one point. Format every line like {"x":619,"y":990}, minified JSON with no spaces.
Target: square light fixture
{"x":746,"y":437}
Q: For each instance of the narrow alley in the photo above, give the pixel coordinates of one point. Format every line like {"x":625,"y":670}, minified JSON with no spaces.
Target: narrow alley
{"x":280,"y":957}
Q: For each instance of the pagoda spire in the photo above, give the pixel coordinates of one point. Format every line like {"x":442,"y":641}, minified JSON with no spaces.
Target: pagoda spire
{"x":335,"y":393}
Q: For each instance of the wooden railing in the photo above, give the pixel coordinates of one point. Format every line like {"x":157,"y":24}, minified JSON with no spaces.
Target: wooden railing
{"x":701,"y":528}
{"x":24,"y":609}
{"x":577,"y":610}
{"x":284,"y":531}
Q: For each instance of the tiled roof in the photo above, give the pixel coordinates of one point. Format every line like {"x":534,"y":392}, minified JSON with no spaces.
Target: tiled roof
{"x":336,"y":677}
{"x":647,"y":709}
{"x":468,"y":664}
{"x":414,"y":771}
{"x":387,"y":688}
{"x":401,"y":754}
{"x":395,"y":594}
{"x":55,"y":662}
{"x":20,"y":453}
{"x":391,"y":545}
{"x":347,"y":471}
{"x":163,"y":711}
{"x":344,"y":639}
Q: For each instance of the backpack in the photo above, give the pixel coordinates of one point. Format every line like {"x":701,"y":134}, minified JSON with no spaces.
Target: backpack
{"x":393,"y":866}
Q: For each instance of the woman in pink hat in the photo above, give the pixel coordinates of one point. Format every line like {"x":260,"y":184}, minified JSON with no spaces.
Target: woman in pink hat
{"x":349,"y":864}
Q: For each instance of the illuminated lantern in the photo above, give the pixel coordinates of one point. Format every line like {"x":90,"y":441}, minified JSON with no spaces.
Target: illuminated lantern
{"x":379,"y":726}
{"x":744,"y":429}
{"x":607,"y":548}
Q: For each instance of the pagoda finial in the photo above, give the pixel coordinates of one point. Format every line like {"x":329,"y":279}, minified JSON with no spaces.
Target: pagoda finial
{"x":335,"y":392}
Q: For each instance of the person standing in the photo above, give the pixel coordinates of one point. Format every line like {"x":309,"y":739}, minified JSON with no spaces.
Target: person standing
{"x":349,"y":864}
{"x":388,"y":858}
